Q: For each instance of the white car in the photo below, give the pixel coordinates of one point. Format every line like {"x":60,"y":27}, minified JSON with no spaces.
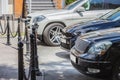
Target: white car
{"x":52,"y":21}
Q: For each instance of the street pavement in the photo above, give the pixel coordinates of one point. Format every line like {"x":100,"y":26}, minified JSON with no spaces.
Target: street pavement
{"x":54,"y":63}
{"x":8,"y":61}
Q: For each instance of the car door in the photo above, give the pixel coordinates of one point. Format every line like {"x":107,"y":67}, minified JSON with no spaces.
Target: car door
{"x":93,"y":10}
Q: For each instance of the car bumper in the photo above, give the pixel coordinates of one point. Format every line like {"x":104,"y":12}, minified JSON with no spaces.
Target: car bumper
{"x":67,"y":43}
{"x":99,"y":69}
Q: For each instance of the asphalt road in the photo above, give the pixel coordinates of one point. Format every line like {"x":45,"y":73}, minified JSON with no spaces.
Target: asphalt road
{"x":54,"y":63}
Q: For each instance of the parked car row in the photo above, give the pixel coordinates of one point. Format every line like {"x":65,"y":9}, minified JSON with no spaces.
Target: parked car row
{"x":51,"y":22}
{"x":92,"y":53}
{"x":95,"y":53}
{"x":70,"y":34}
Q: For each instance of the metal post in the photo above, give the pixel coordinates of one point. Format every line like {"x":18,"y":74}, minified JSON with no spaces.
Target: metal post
{"x":35,"y":26}
{"x":30,"y":3}
{"x":32,"y":57}
{"x":19,"y":32}
{"x":24,"y":9}
{"x":8,"y":32}
{"x":20,"y":61}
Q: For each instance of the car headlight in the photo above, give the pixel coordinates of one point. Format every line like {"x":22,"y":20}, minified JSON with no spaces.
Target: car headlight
{"x":38,"y":19}
{"x":100,"y":48}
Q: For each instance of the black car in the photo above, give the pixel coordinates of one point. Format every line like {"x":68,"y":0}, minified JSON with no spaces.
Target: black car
{"x":97,"y":54}
{"x":69,"y":34}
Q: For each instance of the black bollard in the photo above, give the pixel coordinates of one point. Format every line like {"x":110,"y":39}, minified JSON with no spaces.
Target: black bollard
{"x":20,"y":61}
{"x":19,"y":32}
{"x":34,"y":27}
{"x":32,"y":57}
{"x":8,"y":32}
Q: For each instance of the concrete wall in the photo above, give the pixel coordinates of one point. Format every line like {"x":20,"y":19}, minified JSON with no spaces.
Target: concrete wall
{"x":10,"y":4}
{"x":4,"y":8}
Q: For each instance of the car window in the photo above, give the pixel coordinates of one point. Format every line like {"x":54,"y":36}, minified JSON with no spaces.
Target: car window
{"x":96,"y":4}
{"x":111,"y":4}
{"x":86,"y":5}
{"x":73,"y":5}
{"x":113,"y":15}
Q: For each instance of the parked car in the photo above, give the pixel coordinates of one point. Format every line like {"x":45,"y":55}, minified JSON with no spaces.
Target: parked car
{"x":52,"y":21}
{"x":97,"y":54}
{"x":70,"y":34}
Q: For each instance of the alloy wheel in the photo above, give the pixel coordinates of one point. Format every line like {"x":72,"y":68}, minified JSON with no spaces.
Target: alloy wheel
{"x":55,"y":34}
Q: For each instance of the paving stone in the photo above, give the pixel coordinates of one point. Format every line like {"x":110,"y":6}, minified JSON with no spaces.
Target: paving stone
{"x":54,"y":63}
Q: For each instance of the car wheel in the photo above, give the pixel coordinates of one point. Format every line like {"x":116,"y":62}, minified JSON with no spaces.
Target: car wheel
{"x":52,"y":34}
{"x":116,"y":71}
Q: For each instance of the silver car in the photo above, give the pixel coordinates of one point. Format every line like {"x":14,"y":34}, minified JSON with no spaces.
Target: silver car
{"x":52,"y":21}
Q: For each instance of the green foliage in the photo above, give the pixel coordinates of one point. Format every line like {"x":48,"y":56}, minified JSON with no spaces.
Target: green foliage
{"x":69,"y":1}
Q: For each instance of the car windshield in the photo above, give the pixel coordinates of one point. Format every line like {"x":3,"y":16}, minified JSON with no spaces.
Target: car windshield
{"x":73,"y":5}
{"x":112,"y":15}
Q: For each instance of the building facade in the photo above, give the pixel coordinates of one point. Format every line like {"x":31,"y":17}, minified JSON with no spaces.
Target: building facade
{"x":15,"y":7}
{"x":4,"y":7}
{"x":59,"y":4}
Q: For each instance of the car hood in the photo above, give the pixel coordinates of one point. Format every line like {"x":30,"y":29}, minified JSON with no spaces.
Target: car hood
{"x":111,"y":36}
{"x":89,"y":26}
{"x":48,"y":13}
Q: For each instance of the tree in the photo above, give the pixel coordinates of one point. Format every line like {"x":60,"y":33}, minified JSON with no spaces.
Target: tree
{"x":69,"y":1}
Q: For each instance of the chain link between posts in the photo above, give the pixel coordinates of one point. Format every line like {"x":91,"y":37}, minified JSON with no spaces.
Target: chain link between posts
{"x":31,"y":46}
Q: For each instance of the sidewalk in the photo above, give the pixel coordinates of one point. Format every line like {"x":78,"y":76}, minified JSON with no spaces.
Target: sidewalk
{"x":8,"y":60}
{"x":53,"y":62}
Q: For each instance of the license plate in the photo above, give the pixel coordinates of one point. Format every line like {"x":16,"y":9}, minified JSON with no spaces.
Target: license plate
{"x":63,"y":40}
{"x":73,"y":58}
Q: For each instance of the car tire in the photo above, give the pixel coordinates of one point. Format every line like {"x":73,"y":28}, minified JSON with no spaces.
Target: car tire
{"x":52,"y":34}
{"x":116,"y":71}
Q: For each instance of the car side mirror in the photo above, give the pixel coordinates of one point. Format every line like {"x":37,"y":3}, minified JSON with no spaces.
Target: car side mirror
{"x":80,"y":9}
